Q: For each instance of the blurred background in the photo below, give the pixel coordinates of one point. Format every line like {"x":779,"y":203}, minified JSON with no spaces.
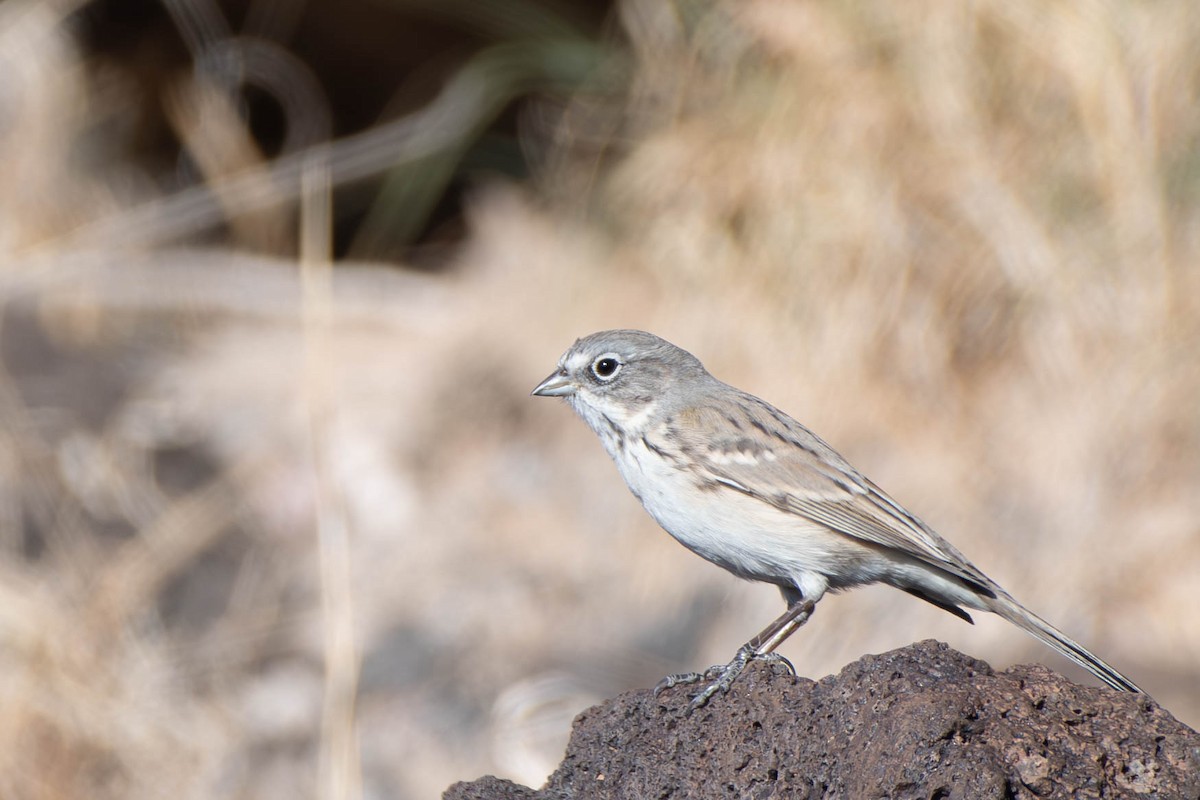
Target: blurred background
{"x":278,"y":516}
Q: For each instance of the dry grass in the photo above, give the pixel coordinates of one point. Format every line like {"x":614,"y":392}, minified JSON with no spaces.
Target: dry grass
{"x":273,"y":531}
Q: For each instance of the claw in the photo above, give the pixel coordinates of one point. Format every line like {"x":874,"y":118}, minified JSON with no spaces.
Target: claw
{"x":774,"y":659}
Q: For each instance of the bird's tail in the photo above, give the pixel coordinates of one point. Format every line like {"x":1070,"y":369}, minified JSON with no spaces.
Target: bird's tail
{"x":1025,"y":619}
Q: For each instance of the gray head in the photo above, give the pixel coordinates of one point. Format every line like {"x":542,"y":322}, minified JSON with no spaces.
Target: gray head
{"x":620,"y":378}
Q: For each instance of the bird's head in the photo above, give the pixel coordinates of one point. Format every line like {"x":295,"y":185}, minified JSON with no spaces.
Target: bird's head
{"x":617,"y":380}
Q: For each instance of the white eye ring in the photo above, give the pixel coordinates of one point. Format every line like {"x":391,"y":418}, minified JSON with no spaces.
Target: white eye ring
{"x":606,"y":367}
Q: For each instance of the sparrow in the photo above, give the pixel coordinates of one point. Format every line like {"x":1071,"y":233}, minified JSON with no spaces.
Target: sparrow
{"x":743,"y":485}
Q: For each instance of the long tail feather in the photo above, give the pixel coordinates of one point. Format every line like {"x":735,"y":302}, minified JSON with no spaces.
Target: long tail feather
{"x":1025,"y":619}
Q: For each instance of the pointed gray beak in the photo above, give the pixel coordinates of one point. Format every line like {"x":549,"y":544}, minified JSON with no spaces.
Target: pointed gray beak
{"x":556,"y":385}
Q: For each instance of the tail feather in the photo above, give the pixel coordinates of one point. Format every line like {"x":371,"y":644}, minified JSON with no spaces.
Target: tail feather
{"x":1023,"y":618}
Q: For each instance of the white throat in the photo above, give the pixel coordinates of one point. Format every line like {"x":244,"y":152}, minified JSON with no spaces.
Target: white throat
{"x":614,"y":424}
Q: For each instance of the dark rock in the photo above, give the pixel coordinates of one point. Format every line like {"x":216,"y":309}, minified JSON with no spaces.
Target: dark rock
{"x":920,"y":722}
{"x":490,"y":788}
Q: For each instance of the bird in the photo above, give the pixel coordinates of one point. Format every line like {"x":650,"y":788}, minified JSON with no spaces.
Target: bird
{"x":747,"y":487}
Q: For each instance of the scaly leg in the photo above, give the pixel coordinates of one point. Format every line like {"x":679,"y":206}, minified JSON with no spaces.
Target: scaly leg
{"x":761,"y":647}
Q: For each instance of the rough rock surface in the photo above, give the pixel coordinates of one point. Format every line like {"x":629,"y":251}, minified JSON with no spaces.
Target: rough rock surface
{"x":920,"y":722}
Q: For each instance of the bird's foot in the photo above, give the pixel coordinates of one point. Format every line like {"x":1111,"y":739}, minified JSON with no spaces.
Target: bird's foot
{"x":721,"y":676}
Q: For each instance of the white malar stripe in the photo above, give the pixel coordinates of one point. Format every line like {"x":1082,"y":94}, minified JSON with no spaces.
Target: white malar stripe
{"x":636,"y":423}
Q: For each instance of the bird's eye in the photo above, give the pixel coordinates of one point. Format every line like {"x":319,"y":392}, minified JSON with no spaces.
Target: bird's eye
{"x":606,"y":367}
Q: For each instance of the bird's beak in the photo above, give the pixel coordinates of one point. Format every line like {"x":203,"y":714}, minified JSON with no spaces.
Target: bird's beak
{"x":556,"y":385}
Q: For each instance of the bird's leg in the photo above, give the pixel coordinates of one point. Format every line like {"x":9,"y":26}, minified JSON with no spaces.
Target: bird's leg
{"x":761,"y":646}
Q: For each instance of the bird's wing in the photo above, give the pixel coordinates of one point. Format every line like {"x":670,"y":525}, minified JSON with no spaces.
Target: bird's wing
{"x":754,"y":448}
